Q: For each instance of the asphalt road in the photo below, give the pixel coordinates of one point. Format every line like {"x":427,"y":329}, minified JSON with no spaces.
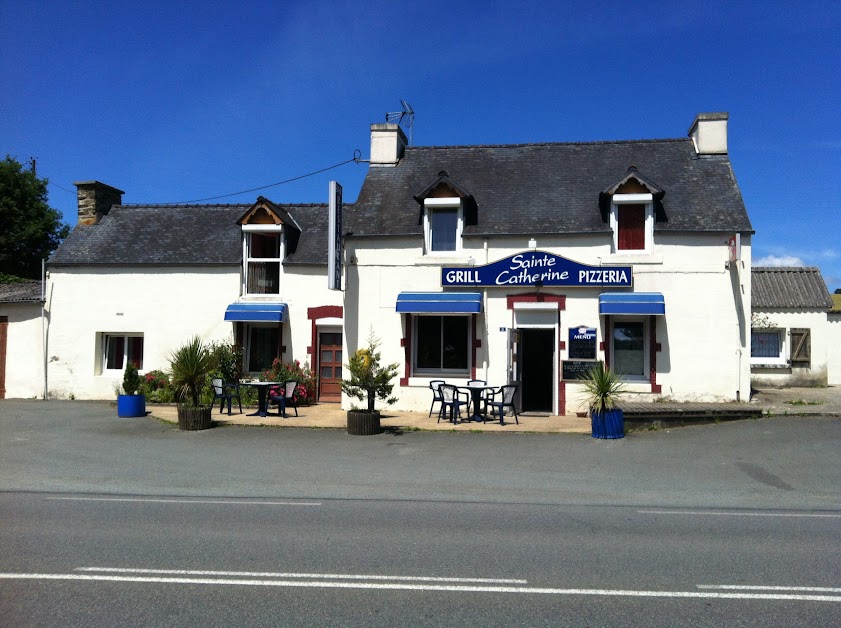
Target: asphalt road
{"x":107,"y":521}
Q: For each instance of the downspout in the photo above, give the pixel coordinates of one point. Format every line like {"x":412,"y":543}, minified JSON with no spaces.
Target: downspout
{"x":44,"y":321}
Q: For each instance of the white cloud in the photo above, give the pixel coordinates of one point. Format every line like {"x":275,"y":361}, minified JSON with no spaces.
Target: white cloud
{"x":778,"y":260}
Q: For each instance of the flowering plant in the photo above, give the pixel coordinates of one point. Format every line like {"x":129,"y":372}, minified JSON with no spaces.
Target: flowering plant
{"x":281,"y":371}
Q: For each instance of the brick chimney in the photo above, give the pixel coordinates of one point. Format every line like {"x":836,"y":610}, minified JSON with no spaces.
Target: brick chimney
{"x":709,"y":133}
{"x":387,"y":144}
{"x":95,"y":200}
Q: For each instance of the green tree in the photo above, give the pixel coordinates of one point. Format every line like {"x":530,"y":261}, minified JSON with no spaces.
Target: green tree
{"x":31,"y":228}
{"x":369,"y":378}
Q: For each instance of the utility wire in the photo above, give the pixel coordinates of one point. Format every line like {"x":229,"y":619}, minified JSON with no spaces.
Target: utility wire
{"x":357,"y":155}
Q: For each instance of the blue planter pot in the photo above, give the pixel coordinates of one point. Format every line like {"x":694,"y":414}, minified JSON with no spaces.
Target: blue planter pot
{"x":131,"y":405}
{"x":608,"y":424}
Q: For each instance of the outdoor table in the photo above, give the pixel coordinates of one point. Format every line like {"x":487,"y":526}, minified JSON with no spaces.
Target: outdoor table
{"x":476,"y":391}
{"x":262,"y":396}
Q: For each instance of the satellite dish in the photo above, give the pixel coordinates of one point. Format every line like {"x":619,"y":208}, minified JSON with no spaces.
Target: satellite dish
{"x":403,"y":118}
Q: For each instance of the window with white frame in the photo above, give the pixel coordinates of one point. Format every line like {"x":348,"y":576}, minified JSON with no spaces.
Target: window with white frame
{"x":119,"y":350}
{"x":628,"y":349}
{"x":264,"y":249}
{"x":632,"y":221}
{"x":443,"y":223}
{"x":768,"y":347}
{"x":441,"y":345}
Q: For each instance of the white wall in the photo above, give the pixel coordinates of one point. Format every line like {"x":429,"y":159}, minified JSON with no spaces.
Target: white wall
{"x":704,"y":335}
{"x":833,"y":357}
{"x":821,"y":347}
{"x":168,"y":306}
{"x":305,"y":287}
{"x":24,"y":351}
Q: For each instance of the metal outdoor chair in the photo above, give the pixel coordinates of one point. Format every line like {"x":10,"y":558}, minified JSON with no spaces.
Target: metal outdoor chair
{"x":225,"y":393}
{"x":501,"y":399}
{"x":284,"y":397}
{"x":452,"y":398}
{"x":436,"y":394}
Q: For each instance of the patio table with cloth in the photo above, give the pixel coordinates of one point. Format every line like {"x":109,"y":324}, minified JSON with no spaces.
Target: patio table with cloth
{"x":262,"y":396}
{"x":476,"y":391}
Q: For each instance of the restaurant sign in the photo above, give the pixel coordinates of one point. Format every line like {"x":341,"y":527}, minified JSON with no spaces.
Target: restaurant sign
{"x":538,"y":268}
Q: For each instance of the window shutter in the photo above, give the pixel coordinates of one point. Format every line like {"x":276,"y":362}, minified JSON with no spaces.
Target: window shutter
{"x":631,"y":228}
{"x":801,"y":350}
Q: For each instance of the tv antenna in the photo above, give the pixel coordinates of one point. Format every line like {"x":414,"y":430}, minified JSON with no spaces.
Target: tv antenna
{"x":406,"y":116}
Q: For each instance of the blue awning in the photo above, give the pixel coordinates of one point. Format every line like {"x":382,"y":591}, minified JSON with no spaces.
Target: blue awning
{"x":651,"y":303}
{"x":439,"y":302}
{"x":256,"y":312}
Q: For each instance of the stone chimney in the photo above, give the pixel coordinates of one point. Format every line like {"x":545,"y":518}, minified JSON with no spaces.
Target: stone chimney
{"x":387,"y":144}
{"x":709,"y":133}
{"x":95,"y":200}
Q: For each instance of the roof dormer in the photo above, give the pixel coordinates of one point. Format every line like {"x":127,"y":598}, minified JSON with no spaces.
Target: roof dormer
{"x":269,"y":234}
{"x":631,"y":206}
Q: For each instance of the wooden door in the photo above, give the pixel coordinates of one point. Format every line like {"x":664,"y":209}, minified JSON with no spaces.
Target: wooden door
{"x":330,"y":366}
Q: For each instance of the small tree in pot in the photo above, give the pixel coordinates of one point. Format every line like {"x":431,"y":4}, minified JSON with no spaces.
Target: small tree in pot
{"x":191,"y":364}
{"x":129,"y":403}
{"x":603,"y":387}
{"x":368,"y":380}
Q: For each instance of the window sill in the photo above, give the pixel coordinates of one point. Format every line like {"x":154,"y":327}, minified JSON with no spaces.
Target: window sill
{"x":764,"y":365}
{"x":422,"y":381}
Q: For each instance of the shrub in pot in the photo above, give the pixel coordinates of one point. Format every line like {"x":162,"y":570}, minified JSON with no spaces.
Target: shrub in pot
{"x":368,"y":380}
{"x":129,"y":403}
{"x":603,"y":388}
{"x":191,"y":365}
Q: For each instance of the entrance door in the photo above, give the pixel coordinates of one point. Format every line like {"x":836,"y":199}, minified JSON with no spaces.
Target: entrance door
{"x":537,"y":357}
{"x":515,"y":345}
{"x":330,"y":366}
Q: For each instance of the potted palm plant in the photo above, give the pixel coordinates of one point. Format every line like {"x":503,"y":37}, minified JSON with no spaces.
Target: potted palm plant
{"x":129,"y":403}
{"x":191,"y":365}
{"x":368,"y":379}
{"x":603,"y":388}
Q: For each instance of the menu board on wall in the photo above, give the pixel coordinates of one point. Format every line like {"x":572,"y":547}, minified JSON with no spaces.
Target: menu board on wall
{"x":576,"y":369}
{"x":582,"y":343}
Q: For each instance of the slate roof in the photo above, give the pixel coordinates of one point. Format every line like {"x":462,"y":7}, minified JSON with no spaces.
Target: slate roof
{"x":20,"y":292}
{"x":182,"y":235}
{"x":800,"y":287}
{"x":552,"y":188}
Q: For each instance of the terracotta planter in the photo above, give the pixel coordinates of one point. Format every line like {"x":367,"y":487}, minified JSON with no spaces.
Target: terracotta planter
{"x":363,"y":422}
{"x":192,"y":419}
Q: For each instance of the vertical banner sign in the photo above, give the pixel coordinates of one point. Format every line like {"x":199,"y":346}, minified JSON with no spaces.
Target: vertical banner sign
{"x":334,"y":238}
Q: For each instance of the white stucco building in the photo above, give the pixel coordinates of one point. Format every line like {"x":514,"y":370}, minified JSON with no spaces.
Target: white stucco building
{"x":526,"y":263}
{"x":522,"y":264}
{"x":794,"y":339}
{"x":133,"y":282}
{"x":22,"y":327}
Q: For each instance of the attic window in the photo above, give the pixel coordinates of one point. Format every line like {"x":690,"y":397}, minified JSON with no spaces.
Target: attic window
{"x":443,"y":223}
{"x":264,"y":254}
{"x":632,"y":217}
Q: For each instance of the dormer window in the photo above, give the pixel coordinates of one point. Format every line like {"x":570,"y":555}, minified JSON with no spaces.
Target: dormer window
{"x":631,"y":207}
{"x":443,"y":224}
{"x":632,"y":221}
{"x":269,"y":234}
{"x":264,"y":254}
{"x":446,"y":208}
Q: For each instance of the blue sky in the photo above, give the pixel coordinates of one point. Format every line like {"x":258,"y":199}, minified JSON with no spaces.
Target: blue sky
{"x":170,"y":102}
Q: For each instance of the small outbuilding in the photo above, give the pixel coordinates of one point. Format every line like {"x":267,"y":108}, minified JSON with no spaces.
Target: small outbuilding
{"x":791,"y":338}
